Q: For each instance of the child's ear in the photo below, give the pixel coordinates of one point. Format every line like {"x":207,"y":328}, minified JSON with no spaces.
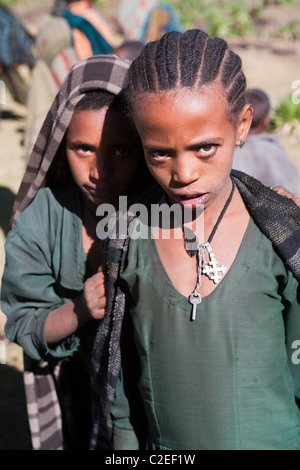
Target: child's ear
{"x":244,"y":123}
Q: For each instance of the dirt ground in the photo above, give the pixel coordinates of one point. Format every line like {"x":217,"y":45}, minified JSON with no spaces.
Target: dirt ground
{"x":272,"y":65}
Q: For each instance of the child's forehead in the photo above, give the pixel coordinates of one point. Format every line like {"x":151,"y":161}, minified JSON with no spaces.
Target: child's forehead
{"x":212,"y":94}
{"x":205,"y":108}
{"x":101,"y":114}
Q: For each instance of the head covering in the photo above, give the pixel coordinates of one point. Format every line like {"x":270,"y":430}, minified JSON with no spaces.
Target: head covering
{"x":102,"y":72}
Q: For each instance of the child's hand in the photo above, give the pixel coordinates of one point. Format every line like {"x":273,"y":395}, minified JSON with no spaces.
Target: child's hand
{"x":94,"y":295}
{"x":285,"y":192}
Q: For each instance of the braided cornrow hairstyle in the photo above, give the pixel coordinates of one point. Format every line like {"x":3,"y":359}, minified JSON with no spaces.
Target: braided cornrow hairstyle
{"x":191,"y":59}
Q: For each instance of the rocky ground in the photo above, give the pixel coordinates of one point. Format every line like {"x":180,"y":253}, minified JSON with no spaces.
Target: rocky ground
{"x":270,"y":64}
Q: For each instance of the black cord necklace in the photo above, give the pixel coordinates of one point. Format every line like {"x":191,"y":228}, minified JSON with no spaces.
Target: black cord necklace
{"x":211,"y":268}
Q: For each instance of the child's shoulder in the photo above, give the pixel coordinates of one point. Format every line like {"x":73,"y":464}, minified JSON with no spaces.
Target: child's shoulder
{"x":47,"y":208}
{"x":259,"y":196}
{"x":278,"y":217}
{"x":57,"y":194}
{"x":44,"y":202}
{"x":43,"y":195}
{"x":55,"y":198}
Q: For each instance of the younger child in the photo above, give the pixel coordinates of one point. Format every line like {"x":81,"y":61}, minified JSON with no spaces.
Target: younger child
{"x":86,"y":154}
{"x":216,"y":327}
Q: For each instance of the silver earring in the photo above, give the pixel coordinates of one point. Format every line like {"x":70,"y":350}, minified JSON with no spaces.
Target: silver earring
{"x":242,"y":142}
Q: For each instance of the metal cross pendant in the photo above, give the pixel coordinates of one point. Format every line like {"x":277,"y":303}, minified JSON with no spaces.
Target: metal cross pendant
{"x":211,"y":269}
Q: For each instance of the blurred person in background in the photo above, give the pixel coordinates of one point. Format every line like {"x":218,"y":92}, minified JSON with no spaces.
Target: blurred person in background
{"x":90,"y":32}
{"x":16,"y":45}
{"x":262,"y":155}
{"x":146,"y":20}
{"x":161,"y":19}
{"x":132,"y":15}
{"x":74,"y":30}
{"x":128,"y":49}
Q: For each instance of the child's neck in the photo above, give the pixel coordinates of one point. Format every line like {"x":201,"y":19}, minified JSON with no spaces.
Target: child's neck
{"x":182,"y":268}
{"x":201,"y":220}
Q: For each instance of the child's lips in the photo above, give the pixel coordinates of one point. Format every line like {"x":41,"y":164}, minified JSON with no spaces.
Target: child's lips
{"x":193,"y":199}
{"x":99,"y":191}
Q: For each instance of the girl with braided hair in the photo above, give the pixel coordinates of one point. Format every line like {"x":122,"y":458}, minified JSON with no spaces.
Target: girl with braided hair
{"x":213,"y":306}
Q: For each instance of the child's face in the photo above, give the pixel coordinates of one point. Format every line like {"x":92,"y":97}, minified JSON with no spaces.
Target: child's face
{"x":189,"y":142}
{"x":103,"y":153}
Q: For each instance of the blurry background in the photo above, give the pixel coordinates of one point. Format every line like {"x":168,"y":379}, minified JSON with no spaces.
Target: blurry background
{"x":266,"y":33}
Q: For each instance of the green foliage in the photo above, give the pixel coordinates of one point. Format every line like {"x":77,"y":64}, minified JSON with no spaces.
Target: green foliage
{"x":102,"y":4}
{"x":286,"y":117}
{"x":229,"y":18}
{"x":9,"y":3}
{"x":290,"y":30}
{"x":217,"y":17}
{"x":190,"y":12}
{"x":283,"y":2}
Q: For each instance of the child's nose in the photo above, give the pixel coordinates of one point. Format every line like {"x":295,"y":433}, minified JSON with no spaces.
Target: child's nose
{"x":100,"y":168}
{"x":185,"y":171}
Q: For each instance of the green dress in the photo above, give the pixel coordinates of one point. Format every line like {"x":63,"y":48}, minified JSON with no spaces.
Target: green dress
{"x":225,"y":381}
